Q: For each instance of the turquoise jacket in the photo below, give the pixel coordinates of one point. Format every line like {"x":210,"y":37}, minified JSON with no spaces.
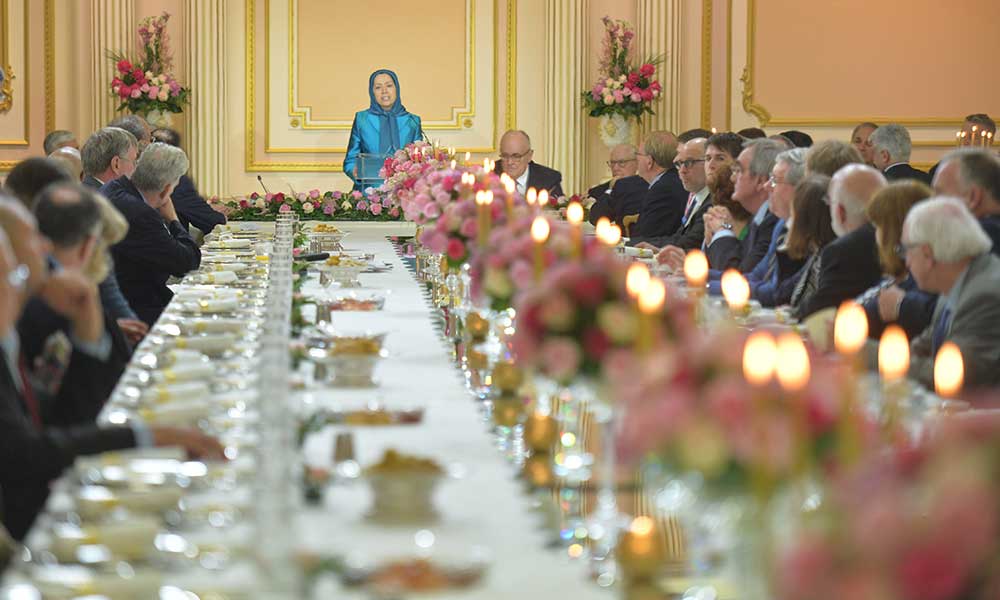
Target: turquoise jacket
{"x":365,"y":135}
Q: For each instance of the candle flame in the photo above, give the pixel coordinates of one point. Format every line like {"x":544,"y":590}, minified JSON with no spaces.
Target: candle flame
{"x":636,"y":279}
{"x":574,"y":213}
{"x":543,"y":198}
{"x":532,"y":196}
{"x":540,"y":229}
{"x":850,"y":329}
{"x":453,"y":165}
{"x":696,"y":268}
{"x":614,"y":235}
{"x":759,"y":356}
{"x":488,"y":197}
{"x":641,"y":526}
{"x":652,"y":296}
{"x":792,"y":362}
{"x":601,"y":229}
{"x":735,"y":289}
{"x":480,"y":198}
{"x":893,"y":353}
{"x":949,"y":371}
{"x":468,"y":156}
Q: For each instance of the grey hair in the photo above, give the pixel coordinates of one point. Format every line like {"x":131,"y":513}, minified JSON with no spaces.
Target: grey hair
{"x":946,"y":225}
{"x":55,"y":138}
{"x":104,"y":145}
{"x":894,"y":139}
{"x":796,"y":161}
{"x":133,"y":124}
{"x":765,"y":151}
{"x":159,"y":166}
{"x":976,"y":167}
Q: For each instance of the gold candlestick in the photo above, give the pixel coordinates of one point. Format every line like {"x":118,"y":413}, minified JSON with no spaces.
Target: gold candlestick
{"x":539,"y":233}
{"x":574,"y":214}
{"x":640,"y":552}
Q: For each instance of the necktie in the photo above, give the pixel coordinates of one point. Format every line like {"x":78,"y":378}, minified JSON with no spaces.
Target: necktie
{"x":687,"y":210}
{"x":772,"y":260}
{"x":940,"y":329}
{"x":29,"y":395}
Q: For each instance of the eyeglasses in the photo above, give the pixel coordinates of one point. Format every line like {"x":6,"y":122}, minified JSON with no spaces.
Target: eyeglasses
{"x":687,"y":164}
{"x":510,"y":157}
{"x":18,"y":277}
{"x":736,"y":170}
{"x":775,"y":183}
{"x":620,"y":163}
{"x":903,"y":249}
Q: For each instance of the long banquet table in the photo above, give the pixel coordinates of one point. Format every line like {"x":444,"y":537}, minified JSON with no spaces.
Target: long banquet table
{"x":483,"y":508}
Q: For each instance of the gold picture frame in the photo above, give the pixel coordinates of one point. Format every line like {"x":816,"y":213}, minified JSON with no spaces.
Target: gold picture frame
{"x":6,"y":71}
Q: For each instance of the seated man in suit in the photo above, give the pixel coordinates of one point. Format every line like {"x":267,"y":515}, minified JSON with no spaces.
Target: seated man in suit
{"x":70,"y":160}
{"x":752,"y":181}
{"x":34,"y":454}
{"x":137,"y":126}
{"x":108,"y":154}
{"x":690,"y":163}
{"x":31,"y":176}
{"x":949,"y":254}
{"x":157,"y":245}
{"x":974,"y":176}
{"x":60,"y":138}
{"x":664,"y":202}
{"x":191,"y":206}
{"x":516,"y":161}
{"x":830,"y":156}
{"x":850,"y":263}
{"x":891,"y":148}
{"x":622,"y":162}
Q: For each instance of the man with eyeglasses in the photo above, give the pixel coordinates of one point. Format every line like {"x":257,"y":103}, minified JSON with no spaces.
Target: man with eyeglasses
{"x":31,"y":453}
{"x":690,"y":164}
{"x":623,"y":193}
{"x":663,"y":205}
{"x":516,"y":161}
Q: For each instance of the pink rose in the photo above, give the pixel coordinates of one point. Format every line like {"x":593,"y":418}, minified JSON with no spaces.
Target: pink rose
{"x":386,"y":203}
{"x":356,"y":195}
{"x":361,"y":205}
{"x":153,"y":92}
{"x":337,"y":195}
{"x":136,"y":92}
{"x":469,"y":228}
{"x":284,"y":208}
{"x":561,"y":358}
{"x":633,"y":78}
{"x":930,"y":572}
{"x":636,"y":97}
{"x":394,"y":212}
{"x":432,"y":211}
{"x":456,"y":249}
{"x":314,"y":194}
{"x":619,"y":96}
{"x":375,"y":208}
{"x":328,"y":209}
{"x":647,"y":70}
{"x":595,"y":343}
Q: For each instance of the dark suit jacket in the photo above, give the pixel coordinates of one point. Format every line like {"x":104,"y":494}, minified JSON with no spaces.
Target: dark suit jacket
{"x":150,"y":253}
{"x":662,"y":209}
{"x":625,"y":199}
{"x":32,"y":458}
{"x":540,"y":177}
{"x":849,"y":267}
{"x":192,"y":208}
{"x":905,"y":171}
{"x":991,"y":225}
{"x":599,"y":190}
{"x":690,"y":234}
{"x":87,"y":381}
{"x":732,"y":253}
{"x":915,"y":311}
{"x":92,"y":182}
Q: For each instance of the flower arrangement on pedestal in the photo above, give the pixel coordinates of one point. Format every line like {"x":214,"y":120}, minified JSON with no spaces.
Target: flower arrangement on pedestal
{"x":623,"y":91}
{"x":146,"y":84}
{"x":401,"y":170}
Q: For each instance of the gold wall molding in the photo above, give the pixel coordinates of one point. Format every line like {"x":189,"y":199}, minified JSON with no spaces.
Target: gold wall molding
{"x":706,"y":63}
{"x":460,"y":114}
{"x":50,"y":65}
{"x":764,"y":117}
{"x":7,"y":88}
{"x":10,"y":75}
{"x":565,"y":74}
{"x":251,"y":162}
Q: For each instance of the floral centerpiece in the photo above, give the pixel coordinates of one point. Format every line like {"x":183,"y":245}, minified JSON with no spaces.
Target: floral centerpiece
{"x":623,"y":90}
{"x":146,"y":84}
{"x":921,"y":524}
{"x":313,"y":205}
{"x":401,"y":170}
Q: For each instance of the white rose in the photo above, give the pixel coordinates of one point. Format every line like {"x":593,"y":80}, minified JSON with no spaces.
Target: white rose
{"x":609,"y":82}
{"x":259,"y":204}
{"x":609,"y":100}
{"x":346,"y":205}
{"x":163,"y":95}
{"x":149,"y":74}
{"x":307,"y":207}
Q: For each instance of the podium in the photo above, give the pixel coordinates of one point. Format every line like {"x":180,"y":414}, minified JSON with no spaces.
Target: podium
{"x":369,"y":166}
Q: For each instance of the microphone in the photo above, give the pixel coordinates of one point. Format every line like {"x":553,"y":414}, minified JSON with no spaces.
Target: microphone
{"x":260,"y":180}
{"x":416,"y":124}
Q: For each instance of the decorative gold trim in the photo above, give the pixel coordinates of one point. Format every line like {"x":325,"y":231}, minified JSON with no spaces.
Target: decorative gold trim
{"x":250,"y":162}
{"x":765,"y":118}
{"x":304,"y":113}
{"x":510,"y":119}
{"x":25,"y":78}
{"x":7,"y":89}
{"x":50,"y":65}
{"x":706,"y":63}
{"x":729,"y":65}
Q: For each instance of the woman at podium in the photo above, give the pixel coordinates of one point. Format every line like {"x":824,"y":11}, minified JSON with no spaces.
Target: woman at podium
{"x":379,"y":131}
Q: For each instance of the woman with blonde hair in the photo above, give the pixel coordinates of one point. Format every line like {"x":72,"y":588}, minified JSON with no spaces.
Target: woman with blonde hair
{"x":896,"y":298}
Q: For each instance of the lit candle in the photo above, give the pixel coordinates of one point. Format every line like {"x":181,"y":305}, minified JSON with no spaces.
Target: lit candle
{"x":539,"y":233}
{"x":893,"y":354}
{"x":792,"y":366}
{"x":574,"y":214}
{"x":714,"y":131}
{"x":483,"y":202}
{"x":850,"y":328}
{"x":962,"y":143}
{"x":510,"y":186}
{"x":614,"y":235}
{"x":650,"y":304}
{"x":989,"y":140}
{"x":736,"y":290}
{"x":696,"y":270}
{"x":639,"y":551}
{"x":531,"y":197}
{"x":636,"y":279}
{"x":949,"y":371}
{"x":982,"y":134}
{"x":958,"y":138}
{"x":453,"y":164}
{"x":973,"y":140}
{"x":468,"y":158}
{"x":543,"y":199}
{"x":601,"y":229}
{"x":759,"y":356}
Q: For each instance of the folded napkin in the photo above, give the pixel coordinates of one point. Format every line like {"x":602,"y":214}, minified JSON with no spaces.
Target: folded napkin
{"x":211,"y":343}
{"x":229,"y":244}
{"x":212,"y":325}
{"x":161,"y":394}
{"x":126,"y":458}
{"x":179,"y":356}
{"x":216,"y":305}
{"x":177,"y":412}
{"x":184,"y":372}
{"x":127,"y":540}
{"x":95,"y":501}
{"x":66,"y":582}
{"x":227,"y":266}
{"x":217,"y":277}
{"x":193,"y":294}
